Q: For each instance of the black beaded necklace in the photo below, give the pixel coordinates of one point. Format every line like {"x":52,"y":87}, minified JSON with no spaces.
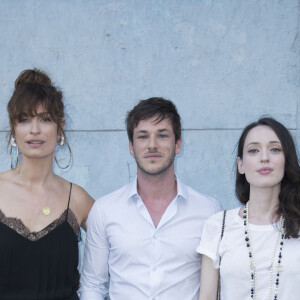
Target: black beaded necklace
{"x":251,"y":257}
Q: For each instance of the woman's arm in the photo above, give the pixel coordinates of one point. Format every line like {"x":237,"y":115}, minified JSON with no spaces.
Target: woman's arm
{"x":89,"y":201}
{"x":81,"y":203}
{"x":209,"y":280}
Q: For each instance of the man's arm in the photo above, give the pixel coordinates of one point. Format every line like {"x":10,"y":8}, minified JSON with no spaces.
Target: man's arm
{"x":94,"y":277}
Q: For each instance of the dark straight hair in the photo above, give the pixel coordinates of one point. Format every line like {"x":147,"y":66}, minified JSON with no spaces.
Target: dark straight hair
{"x":153,"y":107}
{"x":289,"y":196}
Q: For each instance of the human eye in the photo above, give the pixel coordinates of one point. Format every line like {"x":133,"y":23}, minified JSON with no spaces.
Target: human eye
{"x":276,"y":149}
{"x":163,"y":136}
{"x":142,"y":137}
{"x":23,"y":119}
{"x":46,"y":119}
{"x":252,"y":151}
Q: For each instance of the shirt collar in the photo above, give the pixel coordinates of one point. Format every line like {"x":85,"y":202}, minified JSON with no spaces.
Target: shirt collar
{"x":182,"y":191}
{"x":132,"y":189}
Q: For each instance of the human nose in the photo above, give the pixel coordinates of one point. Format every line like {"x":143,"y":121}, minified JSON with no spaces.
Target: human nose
{"x":152,"y":143}
{"x":264,"y":155}
{"x":35,"y":126}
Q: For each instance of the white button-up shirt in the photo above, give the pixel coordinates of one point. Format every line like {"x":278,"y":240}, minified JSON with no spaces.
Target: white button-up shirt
{"x":144,"y":262}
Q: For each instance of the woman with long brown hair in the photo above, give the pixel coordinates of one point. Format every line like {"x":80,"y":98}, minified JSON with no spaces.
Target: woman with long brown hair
{"x":40,"y":212}
{"x":258,"y":256}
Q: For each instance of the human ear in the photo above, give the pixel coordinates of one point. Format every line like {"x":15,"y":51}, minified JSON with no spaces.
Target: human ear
{"x":131,"y":148}
{"x":240,"y":166}
{"x":62,"y":124}
{"x":178,"y":146}
{"x":60,"y":129}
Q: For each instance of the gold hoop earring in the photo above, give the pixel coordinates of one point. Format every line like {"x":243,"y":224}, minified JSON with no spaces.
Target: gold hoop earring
{"x":11,"y":158}
{"x":70,"y":158}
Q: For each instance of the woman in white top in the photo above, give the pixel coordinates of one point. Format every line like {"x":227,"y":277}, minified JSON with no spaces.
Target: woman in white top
{"x":259,"y":253}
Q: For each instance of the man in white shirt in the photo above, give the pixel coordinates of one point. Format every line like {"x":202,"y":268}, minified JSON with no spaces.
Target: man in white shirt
{"x":142,"y":239}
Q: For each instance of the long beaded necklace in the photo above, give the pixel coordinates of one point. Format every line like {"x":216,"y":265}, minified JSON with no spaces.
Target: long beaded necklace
{"x":252,"y":262}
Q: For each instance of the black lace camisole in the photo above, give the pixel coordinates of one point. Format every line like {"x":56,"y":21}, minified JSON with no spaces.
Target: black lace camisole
{"x":39,"y":265}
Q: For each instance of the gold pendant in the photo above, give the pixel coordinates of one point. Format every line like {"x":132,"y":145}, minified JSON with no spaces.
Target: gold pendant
{"x":46,"y":210}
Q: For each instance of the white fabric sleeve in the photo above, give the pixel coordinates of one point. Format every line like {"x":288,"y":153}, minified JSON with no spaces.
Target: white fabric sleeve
{"x":94,"y":277}
{"x":210,"y":238}
{"x":218,"y":207}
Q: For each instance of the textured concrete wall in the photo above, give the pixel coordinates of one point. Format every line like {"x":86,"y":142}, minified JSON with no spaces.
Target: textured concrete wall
{"x":223,"y":63}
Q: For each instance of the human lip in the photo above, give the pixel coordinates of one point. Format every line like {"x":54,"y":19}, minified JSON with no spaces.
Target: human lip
{"x":152,"y":155}
{"x":265,"y":171}
{"x":35,"y":143}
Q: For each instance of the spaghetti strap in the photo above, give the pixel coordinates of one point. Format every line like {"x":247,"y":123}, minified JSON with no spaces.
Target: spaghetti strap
{"x":69,"y":201}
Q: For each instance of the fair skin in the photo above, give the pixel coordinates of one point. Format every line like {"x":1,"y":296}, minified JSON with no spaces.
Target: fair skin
{"x":25,"y":188}
{"x":263,"y":165}
{"x":154,"y":149}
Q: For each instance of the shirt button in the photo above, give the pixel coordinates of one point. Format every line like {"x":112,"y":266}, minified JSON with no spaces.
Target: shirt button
{"x":154,"y":236}
{"x":154,"y":269}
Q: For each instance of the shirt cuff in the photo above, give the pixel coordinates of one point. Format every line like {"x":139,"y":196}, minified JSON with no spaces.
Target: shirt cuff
{"x":90,"y":295}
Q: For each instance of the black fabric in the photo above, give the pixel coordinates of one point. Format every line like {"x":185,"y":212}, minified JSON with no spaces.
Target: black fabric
{"x":45,"y":269}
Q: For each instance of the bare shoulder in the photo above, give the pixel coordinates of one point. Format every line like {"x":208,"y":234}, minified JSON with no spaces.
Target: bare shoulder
{"x":80,"y":196}
{"x":5,"y":175}
{"x":81,"y":203}
{"x":6,"y":178}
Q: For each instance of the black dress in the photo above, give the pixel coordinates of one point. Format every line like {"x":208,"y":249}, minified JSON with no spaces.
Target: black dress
{"x":39,"y":265}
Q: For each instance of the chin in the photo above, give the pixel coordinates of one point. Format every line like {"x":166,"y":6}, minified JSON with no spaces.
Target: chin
{"x":268,"y":185}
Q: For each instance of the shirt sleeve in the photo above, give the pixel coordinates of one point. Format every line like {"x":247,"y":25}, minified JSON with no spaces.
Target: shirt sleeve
{"x":94,"y":277}
{"x":218,"y":207}
{"x":210,"y":238}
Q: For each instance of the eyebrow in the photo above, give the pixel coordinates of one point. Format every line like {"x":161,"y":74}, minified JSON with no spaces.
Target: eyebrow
{"x":39,"y":114}
{"x":145,"y":131}
{"x":43,"y":114}
{"x":257,"y":143}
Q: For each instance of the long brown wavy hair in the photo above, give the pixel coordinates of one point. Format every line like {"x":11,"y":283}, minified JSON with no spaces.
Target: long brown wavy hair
{"x":289,"y":196}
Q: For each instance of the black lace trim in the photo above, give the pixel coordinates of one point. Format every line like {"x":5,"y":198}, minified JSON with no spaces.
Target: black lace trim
{"x":18,"y":225}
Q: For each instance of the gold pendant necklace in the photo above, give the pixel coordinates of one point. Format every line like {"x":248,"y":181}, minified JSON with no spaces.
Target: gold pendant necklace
{"x":46,"y":208}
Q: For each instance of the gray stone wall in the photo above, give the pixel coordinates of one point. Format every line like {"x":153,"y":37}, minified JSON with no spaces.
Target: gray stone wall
{"x":223,"y":63}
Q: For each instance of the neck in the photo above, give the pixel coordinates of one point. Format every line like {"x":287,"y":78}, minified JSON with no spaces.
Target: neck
{"x":34,"y":172}
{"x":263,"y":204}
{"x":157,"y":188}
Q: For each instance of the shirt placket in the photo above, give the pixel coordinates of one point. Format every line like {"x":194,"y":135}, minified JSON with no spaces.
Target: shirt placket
{"x":155,"y":267}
